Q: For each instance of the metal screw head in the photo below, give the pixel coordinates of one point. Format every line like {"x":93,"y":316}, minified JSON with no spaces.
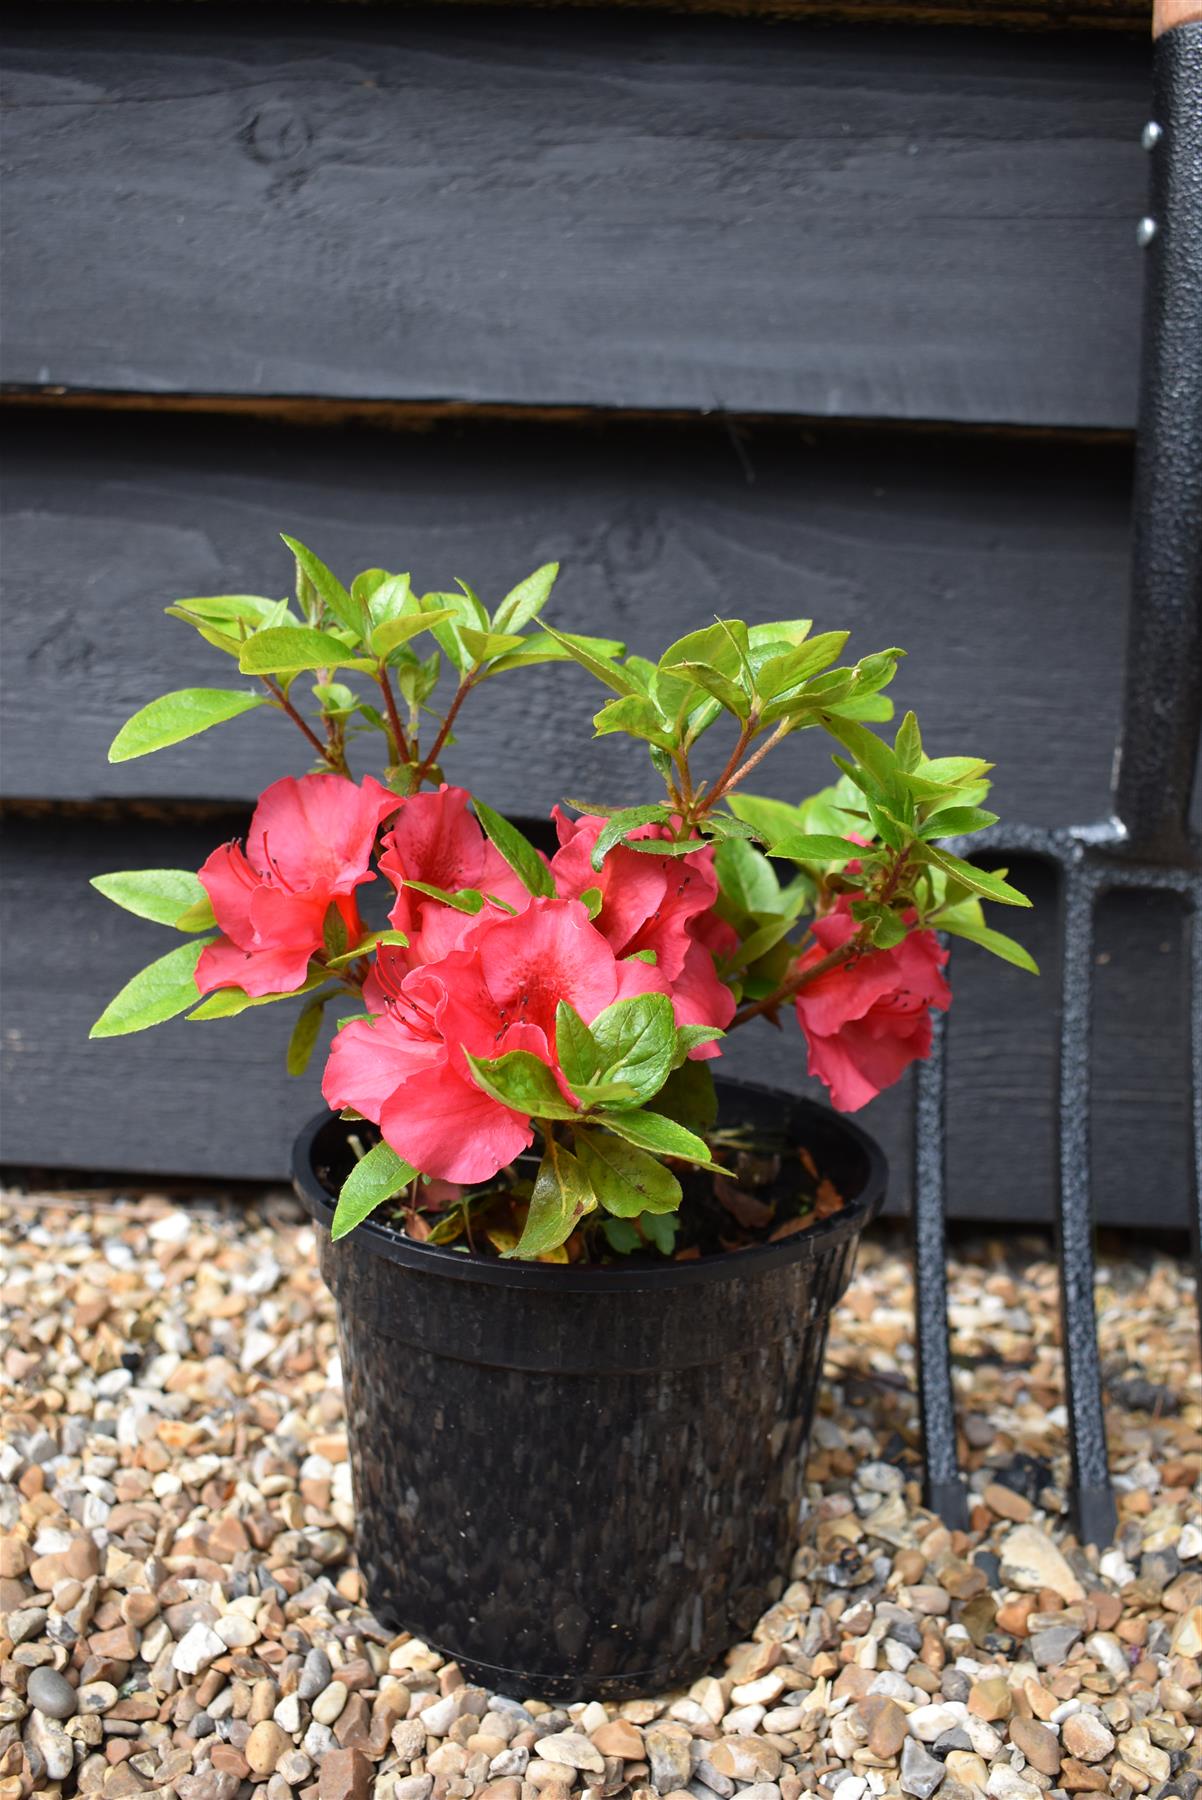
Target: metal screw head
{"x":1151,"y":135}
{"x":1145,"y":231}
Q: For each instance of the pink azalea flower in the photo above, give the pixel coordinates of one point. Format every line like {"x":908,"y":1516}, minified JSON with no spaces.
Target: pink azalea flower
{"x":866,"y":1021}
{"x":497,"y":991}
{"x":309,"y":847}
{"x":659,"y":903}
{"x":434,"y":839}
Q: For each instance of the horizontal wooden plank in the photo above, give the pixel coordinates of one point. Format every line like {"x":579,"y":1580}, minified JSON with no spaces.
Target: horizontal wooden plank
{"x":1004,"y":574}
{"x":574,"y":208}
{"x":213,"y":1099}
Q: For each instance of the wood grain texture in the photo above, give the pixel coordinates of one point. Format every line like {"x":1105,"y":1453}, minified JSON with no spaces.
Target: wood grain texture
{"x":575,"y":208}
{"x":1004,"y":574}
{"x":213,"y":1099}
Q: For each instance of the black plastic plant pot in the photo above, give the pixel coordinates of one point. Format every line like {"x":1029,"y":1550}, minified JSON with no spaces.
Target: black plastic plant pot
{"x":586,"y":1481}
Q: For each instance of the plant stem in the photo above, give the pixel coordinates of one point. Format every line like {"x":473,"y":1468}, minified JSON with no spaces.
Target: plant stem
{"x":757,"y":756}
{"x":746,"y":734}
{"x":399,"y":741}
{"x":285,"y":705}
{"x":466,"y":683}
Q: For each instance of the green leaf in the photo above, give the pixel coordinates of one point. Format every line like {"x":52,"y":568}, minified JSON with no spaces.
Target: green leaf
{"x":622,"y":1235}
{"x":160,"y":991}
{"x":385,"y":599}
{"x":378,"y":1176}
{"x":746,"y":877}
{"x":977,"y":881}
{"x":197,"y":918}
{"x":628,"y":818}
{"x":689,"y":1097}
{"x":957,"y":821}
{"x":691,"y":1037}
{"x":287,"y":649}
{"x":227,"y":1003}
{"x":636,"y":1043}
{"x":768,"y":818}
{"x":393,"y":632}
{"x":367,"y":945}
{"x":780,"y":674}
{"x":765,"y":938}
{"x":723,"y":646}
{"x":334,"y":596}
{"x":652,"y":1131}
{"x":164,"y":895}
{"x":625,"y":1179}
{"x":814,"y":847}
{"x":575,"y":1049}
{"x":484,"y":645}
{"x":581,"y":651}
{"x":517,"y":850}
{"x":540,"y":647}
{"x":637,"y":717}
{"x":888,"y":929}
{"x":868,"y":749}
{"x":562,"y":1196}
{"x":305,"y":1034}
{"x":728,"y":693}
{"x":465,"y":610}
{"x":174,"y":717}
{"x":994,"y":941}
{"x":525,"y":601}
{"x":523,"y":1082}
{"x":907,"y":745}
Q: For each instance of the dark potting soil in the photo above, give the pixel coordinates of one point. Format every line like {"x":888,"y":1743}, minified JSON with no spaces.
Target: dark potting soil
{"x":772,"y":1190}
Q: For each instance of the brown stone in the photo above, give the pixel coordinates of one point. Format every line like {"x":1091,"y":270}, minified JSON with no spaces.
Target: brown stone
{"x":885,"y":1723}
{"x":962,"y":1580}
{"x":229,"y":1761}
{"x":1038,"y":1743}
{"x":1006,"y":1503}
{"x":1012,"y":1616}
{"x":344,"y":1775}
{"x":1079,"y":1778}
{"x":991,"y":1699}
{"x":265,"y":1746}
{"x":618,"y":1737}
{"x":120,"y":1643}
{"x":352,"y":1727}
{"x":746,"y":1759}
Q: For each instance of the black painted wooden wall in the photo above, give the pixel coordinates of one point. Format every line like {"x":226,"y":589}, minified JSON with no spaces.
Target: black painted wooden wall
{"x":723,"y":311}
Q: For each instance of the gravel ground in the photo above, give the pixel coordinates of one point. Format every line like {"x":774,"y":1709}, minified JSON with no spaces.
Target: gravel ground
{"x":180,"y":1612}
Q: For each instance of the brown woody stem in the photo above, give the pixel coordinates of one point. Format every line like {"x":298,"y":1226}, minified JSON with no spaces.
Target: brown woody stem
{"x":399,"y":740}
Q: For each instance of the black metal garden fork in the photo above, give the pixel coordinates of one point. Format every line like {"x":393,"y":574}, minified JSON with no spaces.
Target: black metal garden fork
{"x":1147,"y":843}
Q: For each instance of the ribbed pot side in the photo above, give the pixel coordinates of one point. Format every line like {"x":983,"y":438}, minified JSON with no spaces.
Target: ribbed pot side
{"x":586,"y":1482}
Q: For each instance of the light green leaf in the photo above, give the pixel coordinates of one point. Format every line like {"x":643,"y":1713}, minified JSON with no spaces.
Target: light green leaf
{"x":523,"y":1082}
{"x":174,"y":717}
{"x":525,"y":601}
{"x":636,"y":1043}
{"x":466,"y":900}
{"x":746,"y":877}
{"x":977,"y":881}
{"x":689,"y":1097}
{"x":484,"y":645}
{"x":334,"y":596}
{"x":540,"y":647}
{"x":769,"y":818}
{"x":517,"y":850}
{"x":781,"y":674}
{"x":957,"y":821}
{"x":575,"y":1049}
{"x":561,"y":1198}
{"x":287,"y":649}
{"x":465,"y":610}
{"x":725,"y":691}
{"x":651,"y":1131}
{"x":161,"y":991}
{"x":907,"y":745}
{"x":227,"y":1003}
{"x":814,"y":847}
{"x":581,"y":650}
{"x":366,"y":946}
{"x":994,"y":941}
{"x":388,"y":636}
{"x":637,"y":717}
{"x":378,"y":1176}
{"x":164,"y":895}
{"x":626,"y":1180}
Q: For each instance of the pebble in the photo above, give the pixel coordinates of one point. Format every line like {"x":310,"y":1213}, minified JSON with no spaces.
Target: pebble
{"x":198,"y":1507}
{"x":1087,"y":1736}
{"x":52,"y":1694}
{"x":921,"y":1773}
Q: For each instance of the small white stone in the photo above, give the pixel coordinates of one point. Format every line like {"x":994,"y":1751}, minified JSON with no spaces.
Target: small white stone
{"x":572,"y":1748}
{"x":1189,"y":1544}
{"x":330,"y":1702}
{"x":287,"y":1715}
{"x":171,"y":1229}
{"x":759,"y":1693}
{"x":196,"y":1650}
{"x":929,"y":1722}
{"x":236,"y":1631}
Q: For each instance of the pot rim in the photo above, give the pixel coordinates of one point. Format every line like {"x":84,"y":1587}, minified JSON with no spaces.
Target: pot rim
{"x":379,"y":1239}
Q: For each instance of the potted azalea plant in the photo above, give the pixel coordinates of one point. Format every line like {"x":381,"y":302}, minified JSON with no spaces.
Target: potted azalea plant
{"x":583,"y":1285}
